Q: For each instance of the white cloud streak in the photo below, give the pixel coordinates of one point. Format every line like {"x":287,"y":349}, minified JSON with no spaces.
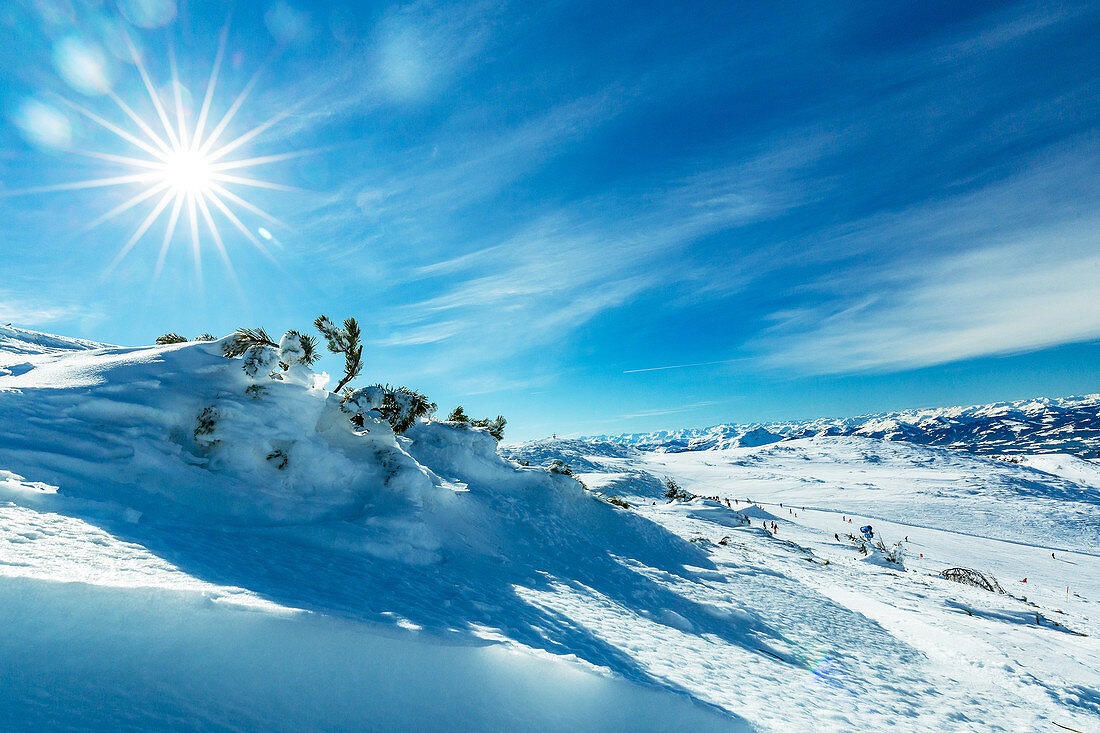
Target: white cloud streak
{"x":979,"y":282}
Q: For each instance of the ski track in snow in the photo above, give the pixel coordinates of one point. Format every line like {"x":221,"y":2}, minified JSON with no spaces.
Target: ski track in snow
{"x":472,"y":594}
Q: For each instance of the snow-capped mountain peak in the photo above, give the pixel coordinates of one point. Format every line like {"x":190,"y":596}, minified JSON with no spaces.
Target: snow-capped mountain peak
{"x":1059,"y":425}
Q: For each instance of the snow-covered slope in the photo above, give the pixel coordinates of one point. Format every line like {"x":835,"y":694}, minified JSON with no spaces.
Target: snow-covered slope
{"x":185,"y":546}
{"x":1066,"y":425}
{"x":1079,"y":470}
{"x":16,"y":343}
{"x":1036,"y":531}
{"x":168,"y":469}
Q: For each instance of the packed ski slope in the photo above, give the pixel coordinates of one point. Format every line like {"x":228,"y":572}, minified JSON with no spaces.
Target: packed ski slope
{"x":187,"y":546}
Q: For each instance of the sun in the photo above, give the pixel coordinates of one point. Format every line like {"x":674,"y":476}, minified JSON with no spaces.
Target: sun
{"x":181,"y":167}
{"x":188,"y":172}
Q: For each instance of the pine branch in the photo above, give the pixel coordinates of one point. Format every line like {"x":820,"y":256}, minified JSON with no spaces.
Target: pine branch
{"x":244,"y":339}
{"x":343,"y":341}
{"x":309,"y":350}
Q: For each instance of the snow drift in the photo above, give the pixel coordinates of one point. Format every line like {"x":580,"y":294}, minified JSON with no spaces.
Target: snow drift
{"x":251,"y":482}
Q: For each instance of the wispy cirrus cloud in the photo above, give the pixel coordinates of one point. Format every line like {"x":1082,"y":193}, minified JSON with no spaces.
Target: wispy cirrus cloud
{"x":32,"y":312}
{"x":582,"y":260}
{"x":903,"y":192}
{"x":1009,"y":268}
{"x":666,"y":410}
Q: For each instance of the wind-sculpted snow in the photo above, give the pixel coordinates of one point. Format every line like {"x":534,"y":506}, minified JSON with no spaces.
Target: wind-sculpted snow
{"x":17,"y":343}
{"x":174,"y":431}
{"x":1068,"y":425}
{"x":611,"y":469}
{"x":580,"y":455}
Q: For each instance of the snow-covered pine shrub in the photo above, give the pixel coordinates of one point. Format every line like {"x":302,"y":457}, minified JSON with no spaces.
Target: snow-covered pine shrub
{"x":895,"y":554}
{"x":494,"y":427}
{"x":559,"y":466}
{"x":401,"y":407}
{"x":618,"y":502}
{"x":296,"y":348}
{"x":204,"y":426}
{"x":171,"y":338}
{"x":259,"y":361}
{"x":859,"y":542}
{"x":967,"y":576}
{"x":255,"y":391}
{"x":244,"y":339}
{"x":280,"y":456}
{"x":206,"y":337}
{"x":674,"y":492}
{"x":260,"y":354}
{"x":343,"y":341}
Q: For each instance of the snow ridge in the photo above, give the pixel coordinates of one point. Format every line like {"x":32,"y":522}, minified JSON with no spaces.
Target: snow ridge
{"x":18,"y":343}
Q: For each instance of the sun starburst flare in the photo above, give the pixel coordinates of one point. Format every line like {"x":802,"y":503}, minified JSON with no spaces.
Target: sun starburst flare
{"x":183,"y":170}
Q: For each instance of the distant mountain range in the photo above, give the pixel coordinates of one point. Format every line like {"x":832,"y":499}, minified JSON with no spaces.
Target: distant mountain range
{"x":1064,"y":425}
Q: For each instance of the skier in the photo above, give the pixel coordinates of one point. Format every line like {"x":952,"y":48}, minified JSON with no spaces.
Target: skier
{"x":836,"y":537}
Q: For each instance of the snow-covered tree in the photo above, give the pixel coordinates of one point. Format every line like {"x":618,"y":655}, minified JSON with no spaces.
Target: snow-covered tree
{"x":494,"y":427}
{"x":170,"y":338}
{"x":559,"y":466}
{"x":894,"y":554}
{"x":258,"y":352}
{"x":245,"y":338}
{"x":343,"y":341}
{"x":296,"y":348}
{"x":401,"y":407}
{"x":262,"y":357}
{"x":674,"y":492}
{"x":260,"y":361}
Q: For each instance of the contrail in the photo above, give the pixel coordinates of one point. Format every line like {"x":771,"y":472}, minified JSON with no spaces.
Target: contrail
{"x":681,"y":366}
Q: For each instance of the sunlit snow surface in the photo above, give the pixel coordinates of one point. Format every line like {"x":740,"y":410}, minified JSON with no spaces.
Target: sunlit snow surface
{"x":150,"y":580}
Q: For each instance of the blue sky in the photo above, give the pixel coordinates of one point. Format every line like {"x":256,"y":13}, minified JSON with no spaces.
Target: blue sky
{"x":590,"y":217}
